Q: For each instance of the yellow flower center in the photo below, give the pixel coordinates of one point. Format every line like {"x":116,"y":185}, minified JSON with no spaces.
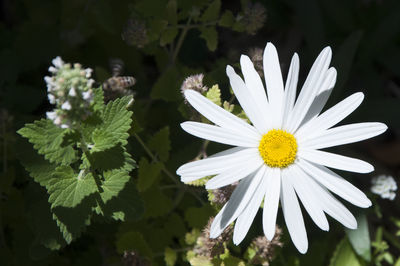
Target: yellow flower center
{"x":278,"y":148}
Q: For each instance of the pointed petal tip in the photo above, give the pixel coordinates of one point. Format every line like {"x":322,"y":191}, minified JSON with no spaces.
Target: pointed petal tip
{"x":302,"y":249}
{"x":269,"y":235}
{"x":229,"y":70}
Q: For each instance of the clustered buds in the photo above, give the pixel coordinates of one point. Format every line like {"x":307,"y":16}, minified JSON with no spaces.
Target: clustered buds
{"x":70,"y":89}
{"x":135,"y":33}
{"x":254,"y":17}
{"x":221,"y":195}
{"x":256,"y":56}
{"x":384,"y":186}
{"x":194,"y":82}
{"x":264,"y":249}
{"x":210,"y":247}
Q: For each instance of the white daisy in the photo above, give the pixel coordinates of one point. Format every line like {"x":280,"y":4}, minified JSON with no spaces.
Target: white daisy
{"x":278,"y":157}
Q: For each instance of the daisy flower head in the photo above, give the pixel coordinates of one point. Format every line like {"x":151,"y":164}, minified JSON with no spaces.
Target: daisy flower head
{"x":278,"y":157}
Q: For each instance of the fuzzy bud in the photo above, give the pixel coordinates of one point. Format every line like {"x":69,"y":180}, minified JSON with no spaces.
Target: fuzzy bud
{"x":265,"y":249}
{"x":135,"y":33}
{"x":254,"y":17}
{"x":385,"y":186}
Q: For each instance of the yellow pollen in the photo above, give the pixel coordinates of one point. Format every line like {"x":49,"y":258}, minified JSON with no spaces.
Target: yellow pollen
{"x":278,"y":148}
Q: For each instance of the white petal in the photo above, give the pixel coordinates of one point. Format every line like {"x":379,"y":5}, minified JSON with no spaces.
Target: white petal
{"x":344,"y":134}
{"x":219,"y":134}
{"x":256,"y":89}
{"x":227,"y":152}
{"x":246,"y":218}
{"x":246,"y":101}
{"x":336,"y":161}
{"x":292,"y":213}
{"x":236,"y":204}
{"x":335,"y":183}
{"x":290,"y":89}
{"x":332,"y":206}
{"x":322,"y":97}
{"x":271,"y":201}
{"x":307,"y":197}
{"x":218,"y":164}
{"x":237,"y":172}
{"x":218,"y":115}
{"x":310,"y":89}
{"x":330,"y":117}
{"x":274,"y":82}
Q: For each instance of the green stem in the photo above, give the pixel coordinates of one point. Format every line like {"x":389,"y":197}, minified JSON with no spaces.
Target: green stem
{"x":180,"y":40}
{"x":391,"y":239}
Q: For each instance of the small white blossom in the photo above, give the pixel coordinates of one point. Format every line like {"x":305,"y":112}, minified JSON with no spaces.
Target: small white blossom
{"x":72,"y":92}
{"x":51,"y":98}
{"x":87,"y":95}
{"x":64,"y":126}
{"x":53,"y":69}
{"x":51,"y":115}
{"x":58,"y":62}
{"x":384,"y":186}
{"x":88,"y":72}
{"x":66,"y":106}
{"x":57,"y":120}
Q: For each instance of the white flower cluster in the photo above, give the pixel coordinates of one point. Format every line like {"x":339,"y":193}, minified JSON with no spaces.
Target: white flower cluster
{"x":384,"y":186}
{"x":70,"y":89}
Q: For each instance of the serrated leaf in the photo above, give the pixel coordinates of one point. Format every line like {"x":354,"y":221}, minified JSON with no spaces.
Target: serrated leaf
{"x":114,"y":182}
{"x":200,"y":261}
{"x":45,"y":228}
{"x":161,"y":144}
{"x":214,"y":95}
{"x":124,"y":205}
{"x":116,"y":123}
{"x":344,"y":255}
{"x":360,"y":239}
{"x":212,"y":11}
{"x":68,"y":189}
{"x":148,"y":173}
{"x":210,"y":35}
{"x":48,"y":140}
{"x":133,"y":241}
{"x":39,"y":169}
{"x":170,"y":256}
{"x":227,"y":19}
{"x":98,"y":99}
{"x":73,"y":221}
{"x":168,"y":35}
{"x":156,"y":26}
{"x":114,"y":158}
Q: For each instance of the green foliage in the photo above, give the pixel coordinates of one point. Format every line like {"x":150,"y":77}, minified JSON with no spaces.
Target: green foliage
{"x":210,"y":35}
{"x":344,"y":255}
{"x":170,"y":256}
{"x":359,"y":238}
{"x":48,"y":140}
{"x":148,"y":173}
{"x":214,"y":95}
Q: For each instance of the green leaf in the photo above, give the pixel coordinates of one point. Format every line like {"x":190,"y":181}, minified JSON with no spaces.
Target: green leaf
{"x":39,"y":169}
{"x":210,"y":35}
{"x":148,"y":173}
{"x":156,"y":202}
{"x":198,"y":217}
{"x":98,"y":99}
{"x":73,"y":221}
{"x":126,"y":205}
{"x":200,"y":261}
{"x":212,"y":12}
{"x":133,"y":241}
{"x":67,"y":189}
{"x":45,"y":228}
{"x":170,"y":256}
{"x":114,"y":158}
{"x":167,"y":87}
{"x":227,"y":19}
{"x":168,"y":35}
{"x":214,"y":95}
{"x":344,"y":255}
{"x":156,"y":26}
{"x":161,"y":144}
{"x":48,"y":140}
{"x":116,"y":123}
{"x":171,"y":10}
{"x":114,"y":182}
{"x":360,"y":239}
